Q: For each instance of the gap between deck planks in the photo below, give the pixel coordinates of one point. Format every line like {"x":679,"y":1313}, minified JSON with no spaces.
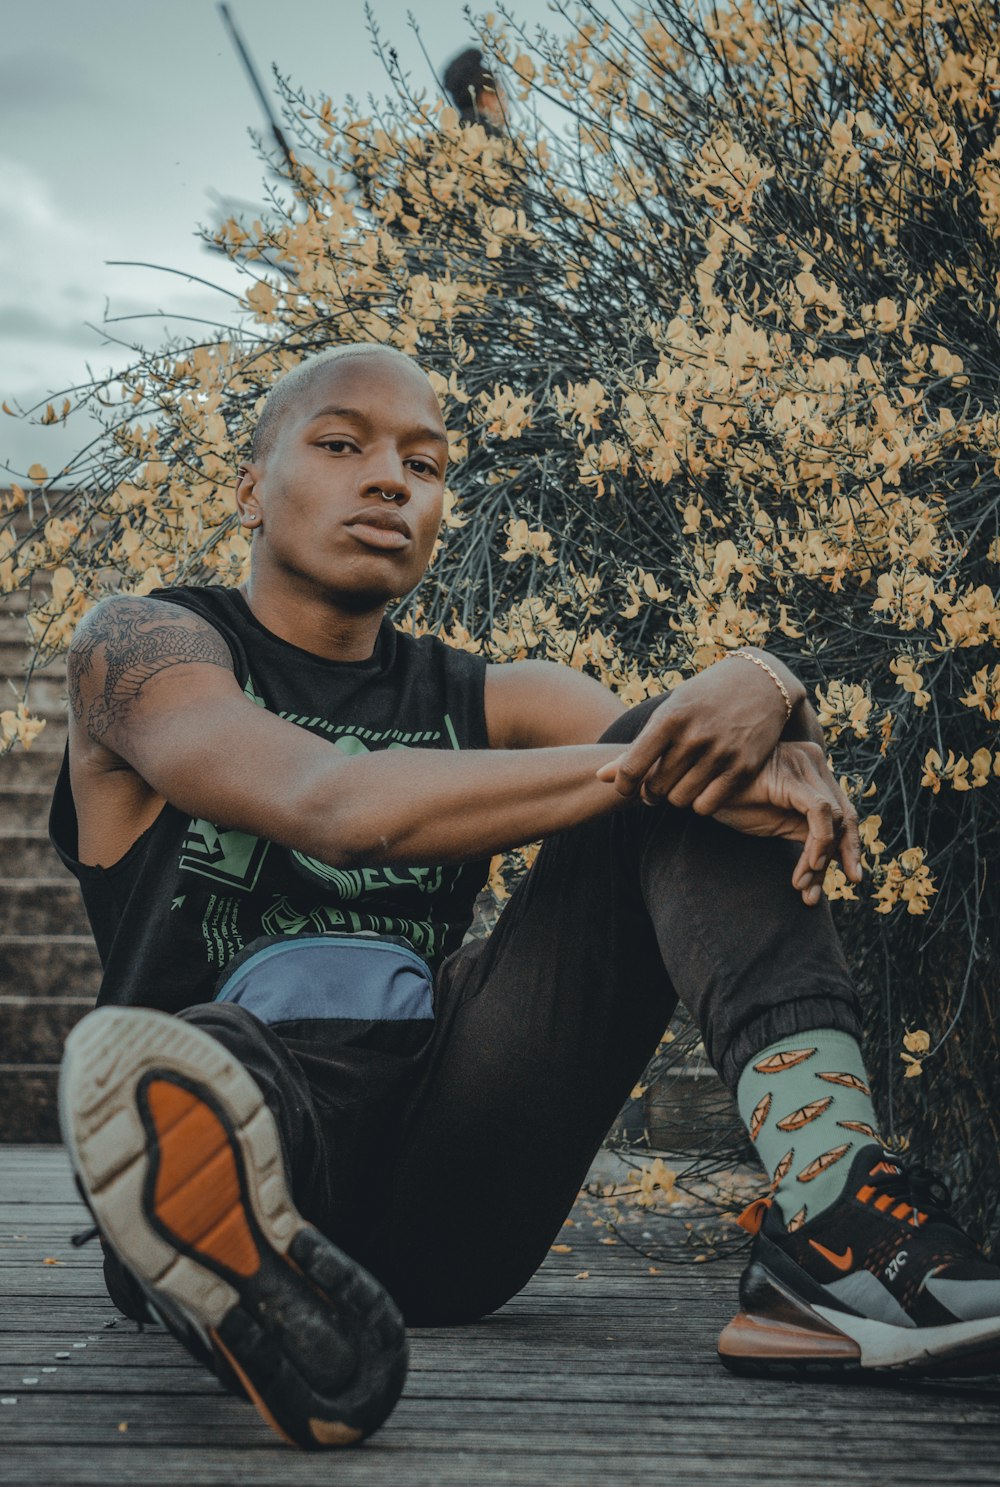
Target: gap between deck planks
{"x":610,"y":1379}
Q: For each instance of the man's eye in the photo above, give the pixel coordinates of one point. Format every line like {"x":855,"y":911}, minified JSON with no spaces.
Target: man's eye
{"x":336,"y":444}
{"x":422,"y":467}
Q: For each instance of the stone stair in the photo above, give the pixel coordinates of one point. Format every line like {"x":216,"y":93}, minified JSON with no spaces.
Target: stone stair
{"x":49,"y":971}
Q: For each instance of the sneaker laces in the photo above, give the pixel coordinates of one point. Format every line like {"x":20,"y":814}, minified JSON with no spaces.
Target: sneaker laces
{"x":921,"y":1187}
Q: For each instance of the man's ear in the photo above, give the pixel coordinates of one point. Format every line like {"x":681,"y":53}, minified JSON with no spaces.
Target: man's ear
{"x":247,"y":476}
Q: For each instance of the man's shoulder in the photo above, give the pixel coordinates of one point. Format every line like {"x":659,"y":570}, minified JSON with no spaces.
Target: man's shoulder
{"x":118,"y":617}
{"x":125,"y":640}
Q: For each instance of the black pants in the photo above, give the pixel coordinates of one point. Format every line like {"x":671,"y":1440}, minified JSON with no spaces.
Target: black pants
{"x":448,"y":1173}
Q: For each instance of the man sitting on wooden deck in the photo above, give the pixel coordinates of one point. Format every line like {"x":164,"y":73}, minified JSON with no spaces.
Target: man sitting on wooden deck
{"x":305,"y":1109}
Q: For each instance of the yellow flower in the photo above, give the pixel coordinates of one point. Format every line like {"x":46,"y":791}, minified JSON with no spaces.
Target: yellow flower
{"x":584,"y":402}
{"x":726,"y":176}
{"x":904,"y":879}
{"x":18,"y":726}
{"x":868,"y":830}
{"x":910,"y":679}
{"x":843,"y":705}
{"x":931,"y":778}
{"x":504,"y":414}
{"x":836,"y":885}
{"x":982,"y":762}
{"x":522,"y":542}
{"x":657,"y":1184}
{"x":524,"y":68}
{"x":985,"y":692}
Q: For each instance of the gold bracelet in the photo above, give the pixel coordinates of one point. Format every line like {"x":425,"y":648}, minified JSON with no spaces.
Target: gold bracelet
{"x":747,"y":655}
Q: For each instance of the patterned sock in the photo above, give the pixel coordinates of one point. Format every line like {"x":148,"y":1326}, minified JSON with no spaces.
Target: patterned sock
{"x":807,"y":1105}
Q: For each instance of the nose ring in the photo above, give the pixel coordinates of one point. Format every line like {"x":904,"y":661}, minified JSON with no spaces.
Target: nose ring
{"x":386,"y":495}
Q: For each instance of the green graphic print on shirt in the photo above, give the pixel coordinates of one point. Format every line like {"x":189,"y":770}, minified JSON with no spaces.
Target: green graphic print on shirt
{"x":250,"y":902}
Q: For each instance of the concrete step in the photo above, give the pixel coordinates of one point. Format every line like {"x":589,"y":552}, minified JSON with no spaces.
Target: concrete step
{"x":28,"y":854}
{"x":43,"y":965}
{"x":28,"y":1102}
{"x":16,"y":652}
{"x":34,"y":1029}
{"x":23,"y":807}
{"x":44,"y":694}
{"x":41,"y":906}
{"x":14,"y":629}
{"x":33,"y":768}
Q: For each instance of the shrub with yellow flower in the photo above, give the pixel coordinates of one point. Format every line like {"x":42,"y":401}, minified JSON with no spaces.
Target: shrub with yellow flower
{"x":718,"y":360}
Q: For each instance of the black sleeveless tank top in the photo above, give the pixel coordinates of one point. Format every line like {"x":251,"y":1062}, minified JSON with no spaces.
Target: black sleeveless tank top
{"x":188,"y":895}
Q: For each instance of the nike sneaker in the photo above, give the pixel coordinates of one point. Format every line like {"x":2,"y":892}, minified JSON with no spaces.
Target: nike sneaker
{"x":179,"y":1160}
{"x":882,"y":1279}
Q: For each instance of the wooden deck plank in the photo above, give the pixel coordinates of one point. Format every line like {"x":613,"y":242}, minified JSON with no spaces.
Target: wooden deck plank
{"x":462,"y":1467}
{"x":610,"y":1379}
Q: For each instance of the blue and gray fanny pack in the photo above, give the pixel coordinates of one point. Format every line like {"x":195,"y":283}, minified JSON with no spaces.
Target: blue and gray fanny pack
{"x":328,"y":979}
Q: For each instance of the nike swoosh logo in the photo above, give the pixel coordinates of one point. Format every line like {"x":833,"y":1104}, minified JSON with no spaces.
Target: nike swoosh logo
{"x":839,"y":1262}
{"x":103,"y":1073}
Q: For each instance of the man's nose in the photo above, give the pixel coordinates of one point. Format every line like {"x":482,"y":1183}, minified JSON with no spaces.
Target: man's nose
{"x":386,"y":476}
{"x":388,"y":490}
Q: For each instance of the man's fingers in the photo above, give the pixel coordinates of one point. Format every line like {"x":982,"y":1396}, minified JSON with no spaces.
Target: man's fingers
{"x":660,"y":757}
{"x":714,"y":796}
{"x":623,"y":773}
{"x":824,"y":823}
{"x":822,"y":839}
{"x":630,"y":769}
{"x":807,"y":881}
{"x":681,"y":780}
{"x":643,"y":753}
{"x":810,"y":808}
{"x":833,"y":831}
{"x":678,"y":775}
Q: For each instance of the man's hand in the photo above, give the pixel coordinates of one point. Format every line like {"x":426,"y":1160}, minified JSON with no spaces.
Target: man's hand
{"x":708,"y":739}
{"x":796,"y":797}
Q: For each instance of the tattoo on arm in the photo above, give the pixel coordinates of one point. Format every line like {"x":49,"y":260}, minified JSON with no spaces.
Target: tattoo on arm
{"x":139,"y":638}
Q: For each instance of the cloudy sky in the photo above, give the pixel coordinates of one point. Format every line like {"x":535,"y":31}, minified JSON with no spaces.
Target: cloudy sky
{"x":119,"y":119}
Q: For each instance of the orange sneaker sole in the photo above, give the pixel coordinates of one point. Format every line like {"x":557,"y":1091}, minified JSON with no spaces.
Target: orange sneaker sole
{"x":179,"y":1159}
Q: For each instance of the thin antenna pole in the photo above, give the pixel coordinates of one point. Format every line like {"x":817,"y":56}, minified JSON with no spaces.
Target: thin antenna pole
{"x":255,"y":82}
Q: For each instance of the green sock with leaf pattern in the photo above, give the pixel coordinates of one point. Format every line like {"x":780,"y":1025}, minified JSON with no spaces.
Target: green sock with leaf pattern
{"x":807,"y":1104}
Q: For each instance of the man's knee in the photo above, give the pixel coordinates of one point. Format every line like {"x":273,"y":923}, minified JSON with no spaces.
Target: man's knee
{"x":451,"y":1303}
{"x":446,"y":1290}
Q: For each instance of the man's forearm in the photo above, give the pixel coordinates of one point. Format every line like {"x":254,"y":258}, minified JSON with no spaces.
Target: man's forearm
{"x":426,"y":806}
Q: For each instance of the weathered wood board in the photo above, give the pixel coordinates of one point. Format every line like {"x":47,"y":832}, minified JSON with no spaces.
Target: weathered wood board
{"x":600,"y":1372}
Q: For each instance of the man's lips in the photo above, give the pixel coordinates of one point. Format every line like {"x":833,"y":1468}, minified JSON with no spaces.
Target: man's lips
{"x":383,"y":529}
